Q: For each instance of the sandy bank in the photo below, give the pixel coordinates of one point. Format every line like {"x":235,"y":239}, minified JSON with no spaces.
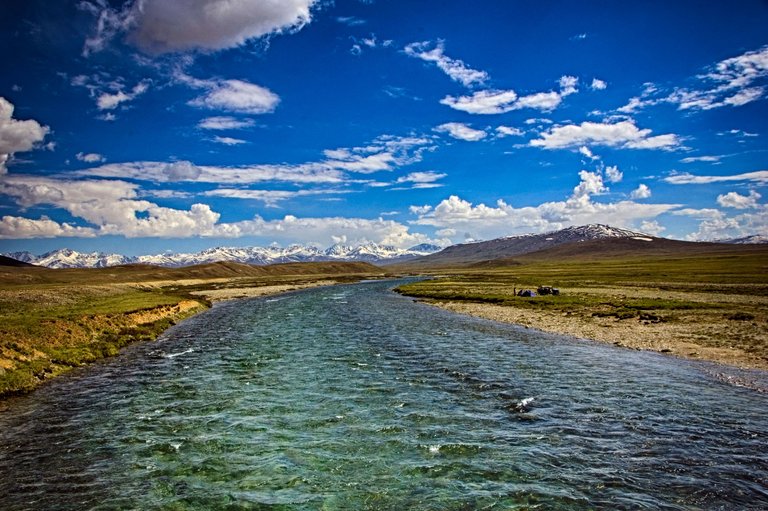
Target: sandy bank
{"x":688,"y":339}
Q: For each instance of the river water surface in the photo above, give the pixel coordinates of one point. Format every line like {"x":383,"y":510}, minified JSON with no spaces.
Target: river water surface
{"x":353,"y":397}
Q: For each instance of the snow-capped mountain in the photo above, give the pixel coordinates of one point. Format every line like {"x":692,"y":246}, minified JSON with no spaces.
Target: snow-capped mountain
{"x":755,"y":239}
{"x":510,"y":246}
{"x":369,"y":252}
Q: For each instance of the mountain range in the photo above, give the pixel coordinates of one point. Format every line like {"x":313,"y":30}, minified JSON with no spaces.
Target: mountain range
{"x":369,"y":252}
{"x":593,"y":238}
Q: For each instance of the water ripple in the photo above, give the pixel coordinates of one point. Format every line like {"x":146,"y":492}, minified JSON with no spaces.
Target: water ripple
{"x":356,"y":398}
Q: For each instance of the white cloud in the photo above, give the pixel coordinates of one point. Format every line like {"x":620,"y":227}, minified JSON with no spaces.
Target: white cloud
{"x":641,"y":192}
{"x":110,"y":101}
{"x":384,"y":153}
{"x":716,"y":225}
{"x":693,"y":159}
{"x":160,"y":172}
{"x":613,"y":174}
{"x":591,"y":184}
{"x":167,"y":26}
{"x":503,"y":101}
{"x":421,"y":177}
{"x":455,"y":69}
{"x":17,"y":136}
{"x":508,"y":131}
{"x":268,"y":197}
{"x":652,"y":227}
{"x":14,"y":227}
{"x":327,"y":230}
{"x":622,"y":134}
{"x":237,"y":96}
{"x":225,"y":123}
{"x":598,"y":84}
{"x":483,"y":102}
{"x":229,"y":141}
{"x":734,"y":82}
{"x":90,"y":157}
{"x":584,"y":150}
{"x":461,"y":131}
{"x":568,"y":85}
{"x":485,"y":222}
{"x":685,"y":178}
{"x":112,"y":207}
{"x":181,"y":171}
{"x":738,"y":201}
{"x":544,"y":101}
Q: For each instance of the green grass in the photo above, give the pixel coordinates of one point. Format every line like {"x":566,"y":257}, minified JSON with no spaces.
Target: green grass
{"x":46,"y":330}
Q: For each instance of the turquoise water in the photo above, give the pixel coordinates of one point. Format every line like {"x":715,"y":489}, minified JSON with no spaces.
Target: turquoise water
{"x":353,"y":397}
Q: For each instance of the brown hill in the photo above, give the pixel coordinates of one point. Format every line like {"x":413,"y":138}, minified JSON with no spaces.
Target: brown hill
{"x":625,"y":248}
{"x":8,"y":261}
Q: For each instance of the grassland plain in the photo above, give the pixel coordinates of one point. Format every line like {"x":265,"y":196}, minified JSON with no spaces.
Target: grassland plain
{"x":52,"y":321}
{"x":709,"y":307}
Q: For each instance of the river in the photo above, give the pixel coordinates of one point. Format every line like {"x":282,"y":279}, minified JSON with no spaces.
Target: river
{"x":353,"y":397}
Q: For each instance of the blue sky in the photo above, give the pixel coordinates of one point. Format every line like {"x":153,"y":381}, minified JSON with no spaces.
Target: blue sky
{"x":152,"y":125}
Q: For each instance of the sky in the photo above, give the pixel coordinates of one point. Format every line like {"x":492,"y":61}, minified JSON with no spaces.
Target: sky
{"x":145,"y":126}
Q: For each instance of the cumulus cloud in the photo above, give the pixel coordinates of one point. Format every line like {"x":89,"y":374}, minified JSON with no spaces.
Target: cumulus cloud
{"x":716,"y":225}
{"x":461,"y":131}
{"x":17,"y":136}
{"x":641,"y":192}
{"x":14,"y":227}
{"x":613,"y":174}
{"x":167,"y":26}
{"x":508,"y":131}
{"x":225,"y":123}
{"x":738,"y":201}
{"x":238,"y":96}
{"x":624,"y":134}
{"x":483,"y":222}
{"x":181,"y":171}
{"x":568,"y":85}
{"x":455,"y":69}
{"x":110,"y":207}
{"x":598,"y":84}
{"x":90,"y":157}
{"x":685,"y":178}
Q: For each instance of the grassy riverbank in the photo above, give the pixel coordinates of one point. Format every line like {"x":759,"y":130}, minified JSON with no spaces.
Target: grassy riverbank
{"x":710,"y":307}
{"x":52,"y":321}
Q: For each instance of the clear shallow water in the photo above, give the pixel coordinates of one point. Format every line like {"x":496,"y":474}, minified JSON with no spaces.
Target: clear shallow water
{"x":353,"y":397}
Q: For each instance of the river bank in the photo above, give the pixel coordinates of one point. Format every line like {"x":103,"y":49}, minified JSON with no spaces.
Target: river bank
{"x":53,"y":321}
{"x":703,"y":326}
